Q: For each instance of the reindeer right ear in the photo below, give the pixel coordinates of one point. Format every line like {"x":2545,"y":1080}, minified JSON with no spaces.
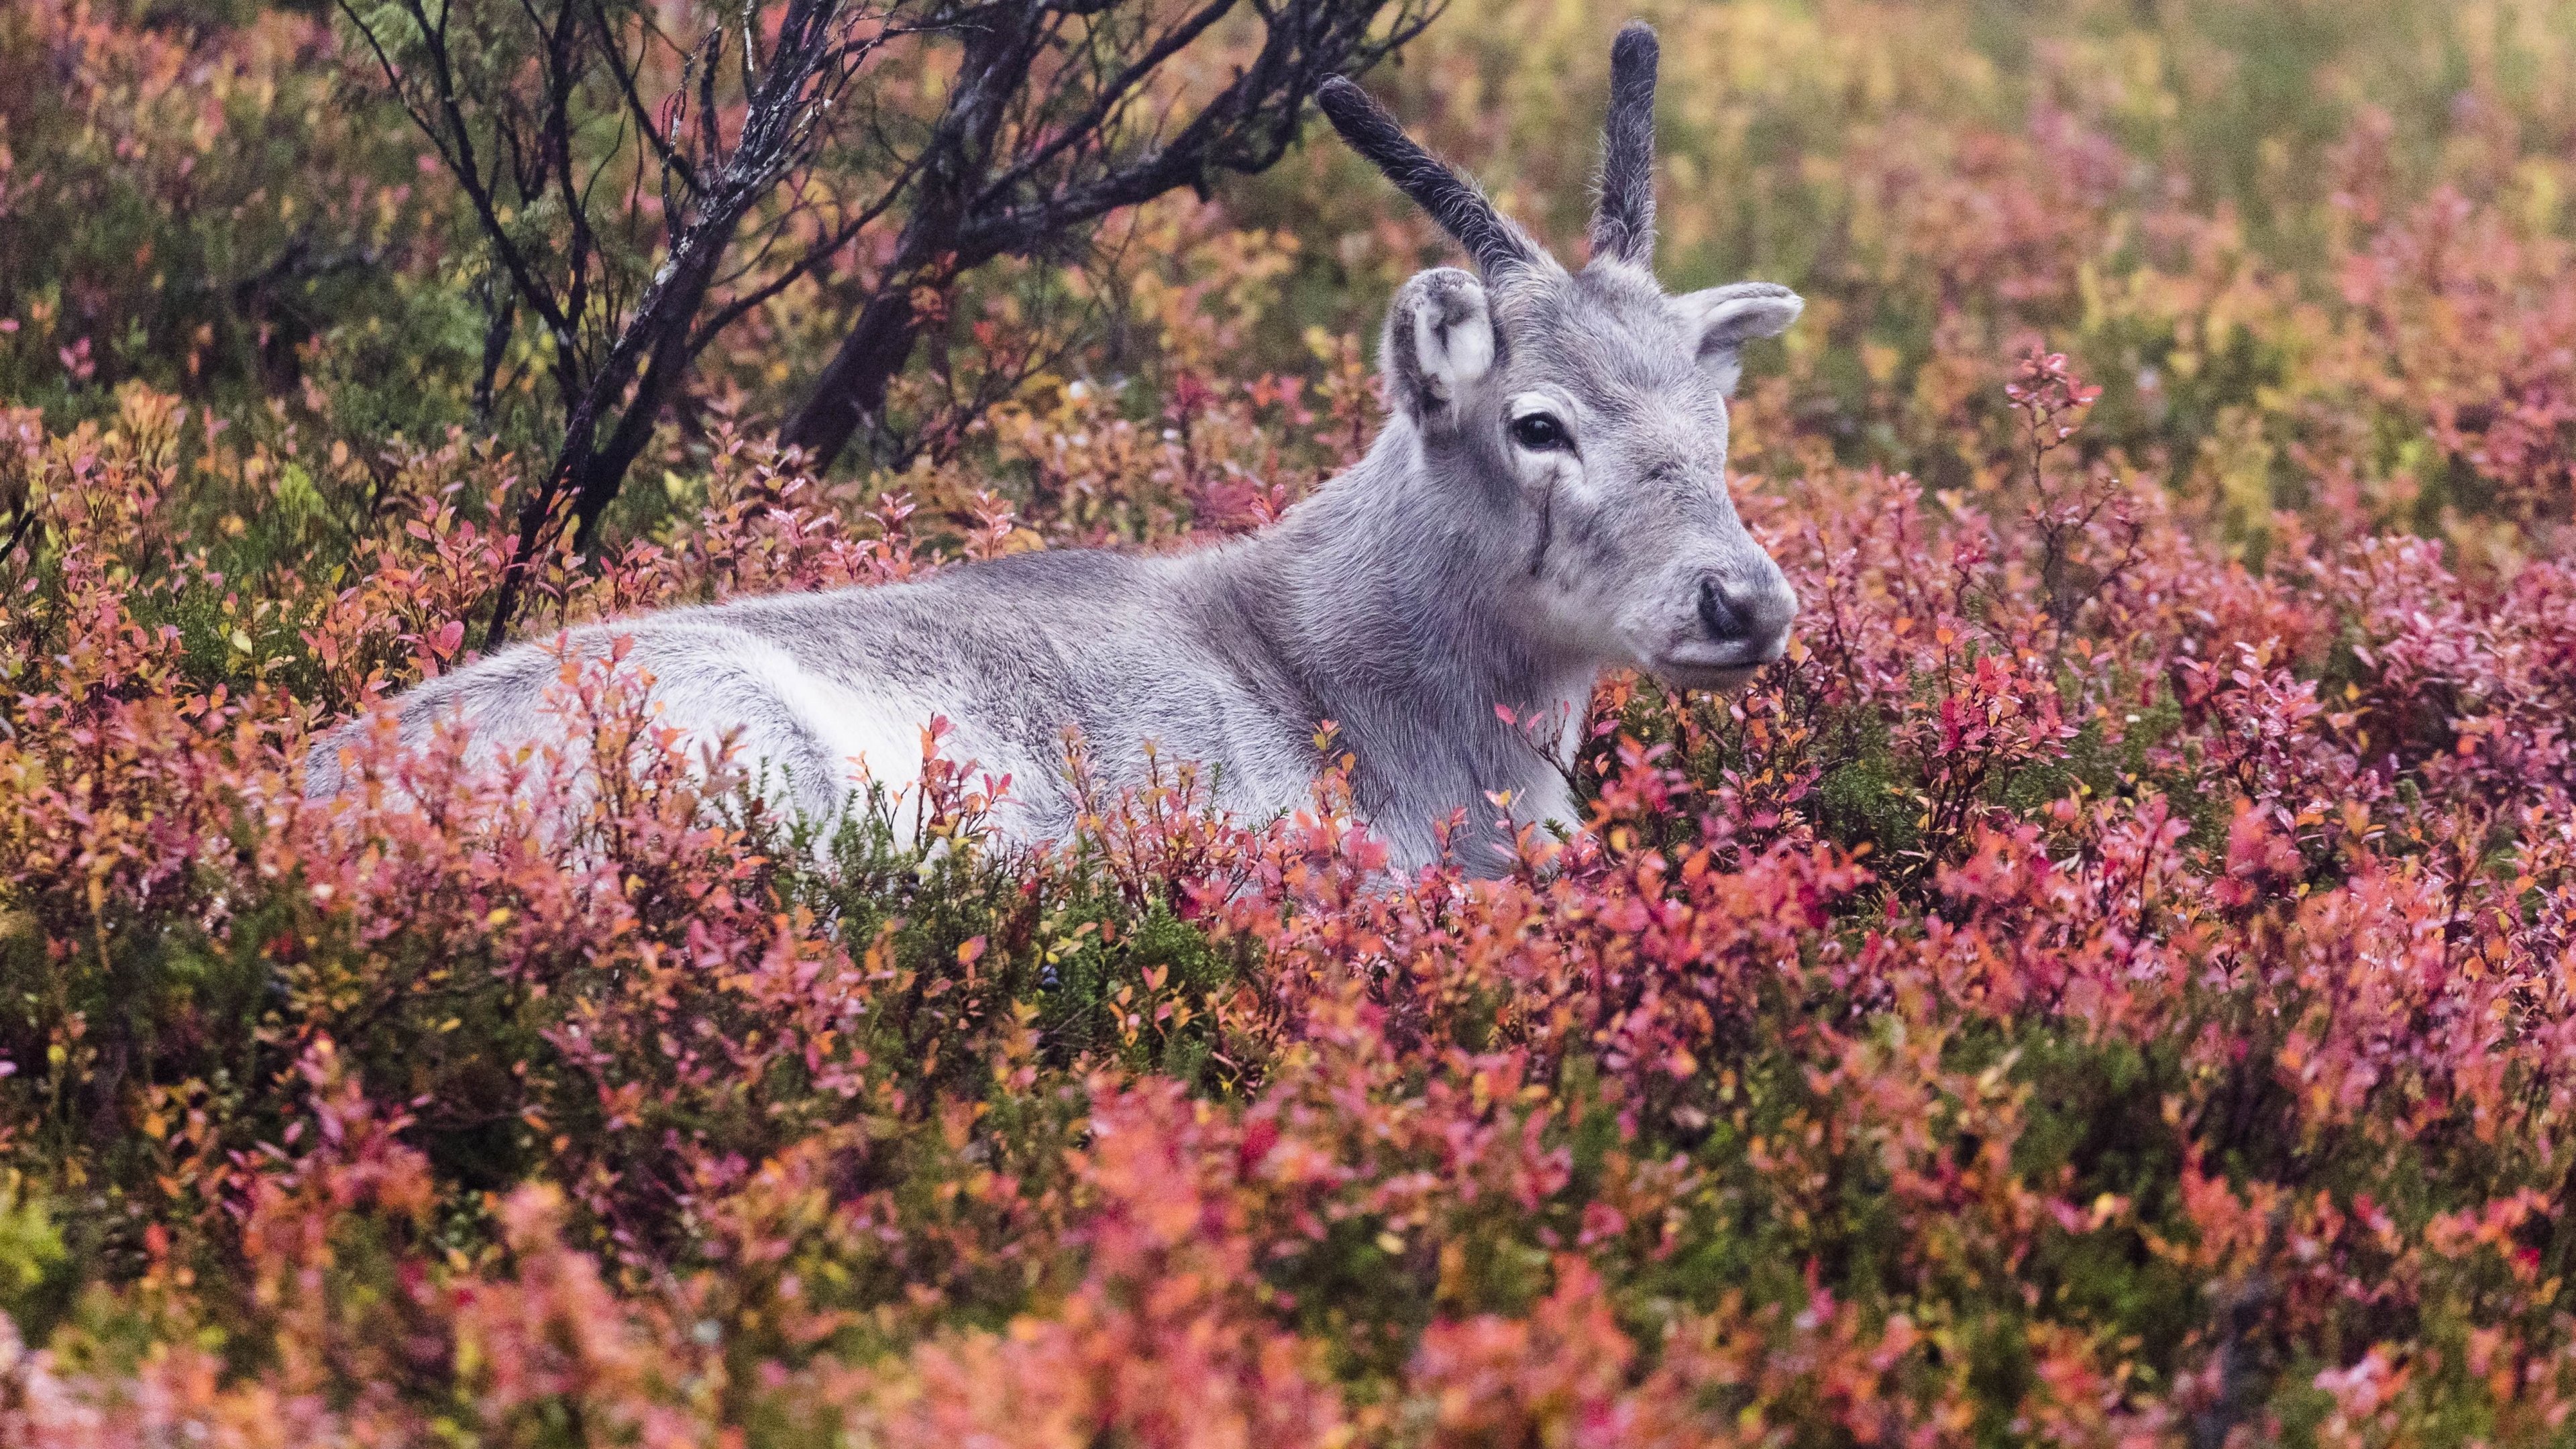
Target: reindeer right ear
{"x":1440,"y":342}
{"x":1728,"y":317}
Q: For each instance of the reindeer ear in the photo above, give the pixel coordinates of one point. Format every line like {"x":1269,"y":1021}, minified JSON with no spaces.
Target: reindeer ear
{"x":1728,"y":317}
{"x":1440,"y":342}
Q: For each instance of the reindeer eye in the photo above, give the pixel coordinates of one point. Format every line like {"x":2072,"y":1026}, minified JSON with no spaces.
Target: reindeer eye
{"x":1538,"y":432}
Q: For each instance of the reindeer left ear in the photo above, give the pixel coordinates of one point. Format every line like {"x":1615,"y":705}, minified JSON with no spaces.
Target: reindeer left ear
{"x":1439,"y":344}
{"x":1728,"y":317}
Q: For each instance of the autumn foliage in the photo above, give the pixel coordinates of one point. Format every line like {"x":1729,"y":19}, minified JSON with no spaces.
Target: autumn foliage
{"x":2115,"y":982}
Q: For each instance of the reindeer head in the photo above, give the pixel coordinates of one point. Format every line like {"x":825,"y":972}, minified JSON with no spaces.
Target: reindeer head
{"x":1586,"y":411}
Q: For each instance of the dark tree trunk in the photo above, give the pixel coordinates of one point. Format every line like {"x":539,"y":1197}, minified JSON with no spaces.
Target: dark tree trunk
{"x":654,"y":351}
{"x":851,"y":389}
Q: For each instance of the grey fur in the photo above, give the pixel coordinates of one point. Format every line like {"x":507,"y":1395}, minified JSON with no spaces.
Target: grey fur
{"x":1454,"y":568}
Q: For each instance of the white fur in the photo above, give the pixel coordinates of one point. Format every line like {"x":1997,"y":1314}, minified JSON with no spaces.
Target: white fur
{"x":872,"y":734}
{"x":1455,"y":356}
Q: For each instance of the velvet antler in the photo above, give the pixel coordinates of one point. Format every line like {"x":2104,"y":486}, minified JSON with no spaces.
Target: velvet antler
{"x":1623,"y":226}
{"x":1463,"y":211}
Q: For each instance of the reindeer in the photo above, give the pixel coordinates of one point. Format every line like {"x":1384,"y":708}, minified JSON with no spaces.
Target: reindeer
{"x":1547,"y":500}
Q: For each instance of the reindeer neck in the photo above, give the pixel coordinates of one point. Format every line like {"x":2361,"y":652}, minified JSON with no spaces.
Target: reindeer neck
{"x":1393,"y":595}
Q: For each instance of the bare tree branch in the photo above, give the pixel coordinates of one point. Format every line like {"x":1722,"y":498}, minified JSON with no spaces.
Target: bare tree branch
{"x":1024,"y":156}
{"x":569,"y":114}
{"x":639,"y":191}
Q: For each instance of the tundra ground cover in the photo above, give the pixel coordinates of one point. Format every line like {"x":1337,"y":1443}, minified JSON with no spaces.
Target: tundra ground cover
{"x":2112,"y":983}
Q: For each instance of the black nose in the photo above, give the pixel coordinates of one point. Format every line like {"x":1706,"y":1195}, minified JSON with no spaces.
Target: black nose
{"x":1717,"y":613}
{"x":1732,"y":610}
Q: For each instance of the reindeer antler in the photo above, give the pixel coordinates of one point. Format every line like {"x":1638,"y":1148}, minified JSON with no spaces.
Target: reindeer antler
{"x":1462,"y":209}
{"x":1623,"y":226}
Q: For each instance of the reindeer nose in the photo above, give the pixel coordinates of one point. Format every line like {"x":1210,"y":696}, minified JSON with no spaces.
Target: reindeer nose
{"x":1755,"y":613}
